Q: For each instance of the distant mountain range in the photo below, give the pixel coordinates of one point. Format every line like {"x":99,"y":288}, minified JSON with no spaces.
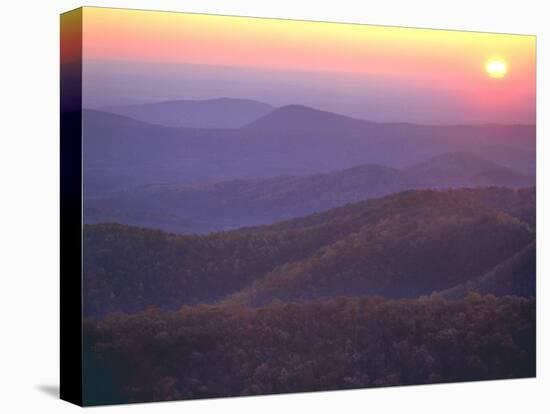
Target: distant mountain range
{"x":404,"y":245}
{"x":282,"y":163}
{"x":299,"y":118}
{"x":460,"y":169}
{"x":238,"y":203}
{"x":122,"y":153}
{"x":210,"y":113}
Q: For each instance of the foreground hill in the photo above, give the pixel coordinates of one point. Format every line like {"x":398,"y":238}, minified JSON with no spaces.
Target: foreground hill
{"x":403,"y":245}
{"x":212,"y":351}
{"x":210,"y":113}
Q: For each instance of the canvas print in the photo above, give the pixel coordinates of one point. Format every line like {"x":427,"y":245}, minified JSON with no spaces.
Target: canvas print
{"x":277,"y":206}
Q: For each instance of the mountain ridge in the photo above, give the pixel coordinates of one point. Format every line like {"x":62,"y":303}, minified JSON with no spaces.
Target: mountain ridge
{"x":305,"y":117}
{"x":241,"y":202}
{"x":462,"y":169}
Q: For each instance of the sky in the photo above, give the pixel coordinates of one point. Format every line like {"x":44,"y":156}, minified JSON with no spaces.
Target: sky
{"x":378,"y":73}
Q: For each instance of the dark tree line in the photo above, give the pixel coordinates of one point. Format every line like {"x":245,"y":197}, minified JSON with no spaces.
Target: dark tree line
{"x":213,"y":351}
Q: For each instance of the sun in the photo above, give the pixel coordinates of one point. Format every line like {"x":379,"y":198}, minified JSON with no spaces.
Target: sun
{"x":496,"y":68}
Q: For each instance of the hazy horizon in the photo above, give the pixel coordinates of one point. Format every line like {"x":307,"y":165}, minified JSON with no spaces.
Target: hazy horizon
{"x":109,"y":83}
{"x":384,"y":74}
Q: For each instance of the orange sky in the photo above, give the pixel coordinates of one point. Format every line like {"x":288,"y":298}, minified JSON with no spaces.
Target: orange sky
{"x":455,"y":60}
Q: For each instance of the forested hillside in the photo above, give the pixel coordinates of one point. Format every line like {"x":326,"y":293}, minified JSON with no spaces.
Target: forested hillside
{"x":411,"y":244}
{"x":211,"y":351}
{"x":515,"y":276}
{"x":403,"y":245}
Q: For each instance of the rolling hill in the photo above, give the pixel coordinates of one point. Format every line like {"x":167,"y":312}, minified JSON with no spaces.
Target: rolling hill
{"x":239,"y":203}
{"x":402,"y":245}
{"x":460,"y":169}
{"x":203,"y":208}
{"x":411,"y":244}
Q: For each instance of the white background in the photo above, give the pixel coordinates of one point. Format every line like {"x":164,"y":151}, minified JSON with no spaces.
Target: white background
{"x":29,"y":208}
